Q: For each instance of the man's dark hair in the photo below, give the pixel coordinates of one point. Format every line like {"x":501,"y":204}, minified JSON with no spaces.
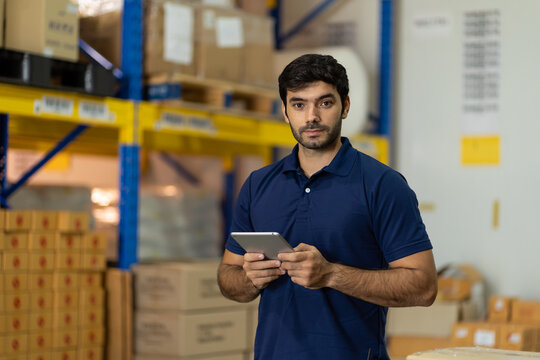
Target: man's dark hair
{"x":310,"y":68}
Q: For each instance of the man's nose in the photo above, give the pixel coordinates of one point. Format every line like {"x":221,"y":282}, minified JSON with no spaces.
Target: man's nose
{"x":312,"y":114}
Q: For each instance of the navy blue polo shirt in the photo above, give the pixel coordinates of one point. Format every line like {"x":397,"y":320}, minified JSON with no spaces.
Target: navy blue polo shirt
{"x":356,"y":211}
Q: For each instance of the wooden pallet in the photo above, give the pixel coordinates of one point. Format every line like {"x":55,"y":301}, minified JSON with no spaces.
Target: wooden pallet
{"x":216,"y":94}
{"x":28,"y":69}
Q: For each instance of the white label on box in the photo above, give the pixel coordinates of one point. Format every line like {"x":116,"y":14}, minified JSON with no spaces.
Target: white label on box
{"x":54,"y":105}
{"x":202,"y":124}
{"x":499,"y":305}
{"x":229,"y":32}
{"x":171,"y":120}
{"x":514,"y":338}
{"x":48,"y":52}
{"x":484,"y":338}
{"x":208,"y":19}
{"x":221,"y":3}
{"x":72,"y":8}
{"x":178,"y":33}
{"x":95,"y":111}
{"x":462,"y":333}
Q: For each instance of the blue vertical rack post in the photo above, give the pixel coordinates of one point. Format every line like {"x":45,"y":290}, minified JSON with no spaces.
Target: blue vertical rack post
{"x":129,"y":153}
{"x":386,"y":68}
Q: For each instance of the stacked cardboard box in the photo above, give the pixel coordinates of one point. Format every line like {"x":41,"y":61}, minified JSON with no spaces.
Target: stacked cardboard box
{"x":512,"y":324}
{"x":52,"y":293}
{"x":181,"y":313}
{"x":44,"y":27}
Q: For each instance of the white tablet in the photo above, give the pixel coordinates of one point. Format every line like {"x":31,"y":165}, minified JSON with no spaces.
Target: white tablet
{"x":268,"y":243}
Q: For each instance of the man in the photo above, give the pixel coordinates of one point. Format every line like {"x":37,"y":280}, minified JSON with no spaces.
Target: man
{"x":360,"y":244}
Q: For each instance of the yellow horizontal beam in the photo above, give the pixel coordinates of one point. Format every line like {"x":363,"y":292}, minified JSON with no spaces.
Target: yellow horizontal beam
{"x":65,"y":106}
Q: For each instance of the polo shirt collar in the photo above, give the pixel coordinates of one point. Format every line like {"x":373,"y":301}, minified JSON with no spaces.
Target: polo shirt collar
{"x":341,"y":165}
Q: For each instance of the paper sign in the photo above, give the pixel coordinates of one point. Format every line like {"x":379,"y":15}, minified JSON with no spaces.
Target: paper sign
{"x":480,"y":150}
{"x":229,"y":32}
{"x":178,"y":33}
{"x":432,"y":25}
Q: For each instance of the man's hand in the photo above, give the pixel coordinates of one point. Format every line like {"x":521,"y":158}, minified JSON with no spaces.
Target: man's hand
{"x":306,"y":266}
{"x":261,"y":272}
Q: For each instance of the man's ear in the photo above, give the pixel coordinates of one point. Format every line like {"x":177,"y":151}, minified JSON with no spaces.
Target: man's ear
{"x":284,"y":111}
{"x":346,"y":107}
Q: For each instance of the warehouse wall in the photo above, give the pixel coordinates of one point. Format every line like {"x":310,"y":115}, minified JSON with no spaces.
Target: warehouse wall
{"x":478,"y":208}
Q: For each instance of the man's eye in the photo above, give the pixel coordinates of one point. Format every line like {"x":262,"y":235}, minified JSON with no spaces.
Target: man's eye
{"x":298,"y":105}
{"x":326,"y":103}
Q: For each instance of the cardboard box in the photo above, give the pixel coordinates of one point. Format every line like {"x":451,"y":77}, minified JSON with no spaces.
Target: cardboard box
{"x":68,"y":261}
{"x":104,"y":33}
{"x":40,"y":320}
{"x":120,"y":314}
{"x":457,"y":282}
{"x":258,"y":61}
{"x":41,"y":300}
{"x":473,"y":353}
{"x":44,"y":27}
{"x":90,"y":337}
{"x":3,"y":326}
{"x":96,"y":241}
{"x":525,"y":312}
{"x":43,"y":220}
{"x":186,"y":334}
{"x":64,"y":354}
{"x":519,"y":337}
{"x":500,"y":308}
{"x":220,"y":43}
{"x":15,"y":261}
{"x":401,"y":346}
{"x":66,"y":299}
{"x":68,"y":241}
{"x":90,"y":353}
{"x":16,"y":323}
{"x":91,"y":298}
{"x":91,"y":317}
{"x":91,"y":279}
{"x":179,"y":286}
{"x":16,"y":301}
{"x":15,"y":281}
{"x":40,"y":282}
{"x":65,"y":319}
{"x":40,"y":355}
{"x":170,"y":37}
{"x":16,"y":220}
{"x":16,"y":241}
{"x":257,"y":7}
{"x":41,"y":241}
{"x":434,"y":321}
{"x":40,"y":341}
{"x":15,"y":344}
{"x":463,"y":334}
{"x":487,"y":335}
{"x":41,"y":261}
{"x":93,"y":261}
{"x":65,"y":280}
{"x":65,"y":339}
{"x":73,"y":221}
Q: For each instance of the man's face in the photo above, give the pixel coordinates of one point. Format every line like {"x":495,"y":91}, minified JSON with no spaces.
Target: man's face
{"x":314,"y":114}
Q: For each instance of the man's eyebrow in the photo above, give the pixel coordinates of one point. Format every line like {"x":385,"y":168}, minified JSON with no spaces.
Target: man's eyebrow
{"x":325,"y":96}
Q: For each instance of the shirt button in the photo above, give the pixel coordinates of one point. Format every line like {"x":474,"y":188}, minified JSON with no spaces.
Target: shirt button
{"x":308,"y":190}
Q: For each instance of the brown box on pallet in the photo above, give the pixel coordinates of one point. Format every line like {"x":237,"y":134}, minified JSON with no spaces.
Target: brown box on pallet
{"x":73,"y":221}
{"x":43,"y":220}
{"x":68,"y":260}
{"x":15,"y":345}
{"x":120,"y":315}
{"x":93,"y":261}
{"x":15,"y":241}
{"x":190,"y":333}
{"x":95,"y":241}
{"x":500,"y":308}
{"x":220,"y":43}
{"x":519,"y":337}
{"x":66,"y":299}
{"x":17,"y":220}
{"x":42,"y":261}
{"x":64,"y":354}
{"x":16,"y":301}
{"x":65,"y":339}
{"x":91,"y":298}
{"x":45,"y":27}
{"x":65,"y":319}
{"x":39,"y":281}
{"x":68,"y":241}
{"x":525,"y":312}
{"x":40,"y":355}
{"x":40,"y":341}
{"x":41,"y":241}
{"x":92,"y":336}
{"x":41,"y":300}
{"x":16,"y":281}
{"x":258,"y":59}
{"x":103,"y":32}
{"x":16,"y":323}
{"x":15,"y":260}
{"x":90,"y":353}
{"x":91,"y":317}
{"x":402,"y":346}
{"x":91,"y":279}
{"x":169,"y":45}
{"x":477,"y":334}
{"x":40,"y":320}
{"x":66,"y":280}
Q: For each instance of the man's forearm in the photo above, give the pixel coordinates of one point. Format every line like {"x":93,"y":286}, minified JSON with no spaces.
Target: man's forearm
{"x":235,"y":284}
{"x":392,"y":287}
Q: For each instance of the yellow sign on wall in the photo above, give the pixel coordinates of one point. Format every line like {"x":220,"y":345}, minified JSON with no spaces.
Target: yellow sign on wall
{"x":481,"y":150}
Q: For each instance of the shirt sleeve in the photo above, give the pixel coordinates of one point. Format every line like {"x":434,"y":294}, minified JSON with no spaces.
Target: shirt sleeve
{"x":398,"y":226}
{"x":241,"y":219}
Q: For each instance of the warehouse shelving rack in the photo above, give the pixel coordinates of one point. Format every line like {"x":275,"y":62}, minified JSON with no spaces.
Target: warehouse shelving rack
{"x":33,"y":118}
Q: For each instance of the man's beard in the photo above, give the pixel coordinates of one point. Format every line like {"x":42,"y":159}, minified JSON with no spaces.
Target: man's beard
{"x":317,"y":144}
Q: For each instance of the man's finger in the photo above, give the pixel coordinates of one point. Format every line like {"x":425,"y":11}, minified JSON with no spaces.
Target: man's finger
{"x":253,"y":257}
{"x":261,"y":265}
